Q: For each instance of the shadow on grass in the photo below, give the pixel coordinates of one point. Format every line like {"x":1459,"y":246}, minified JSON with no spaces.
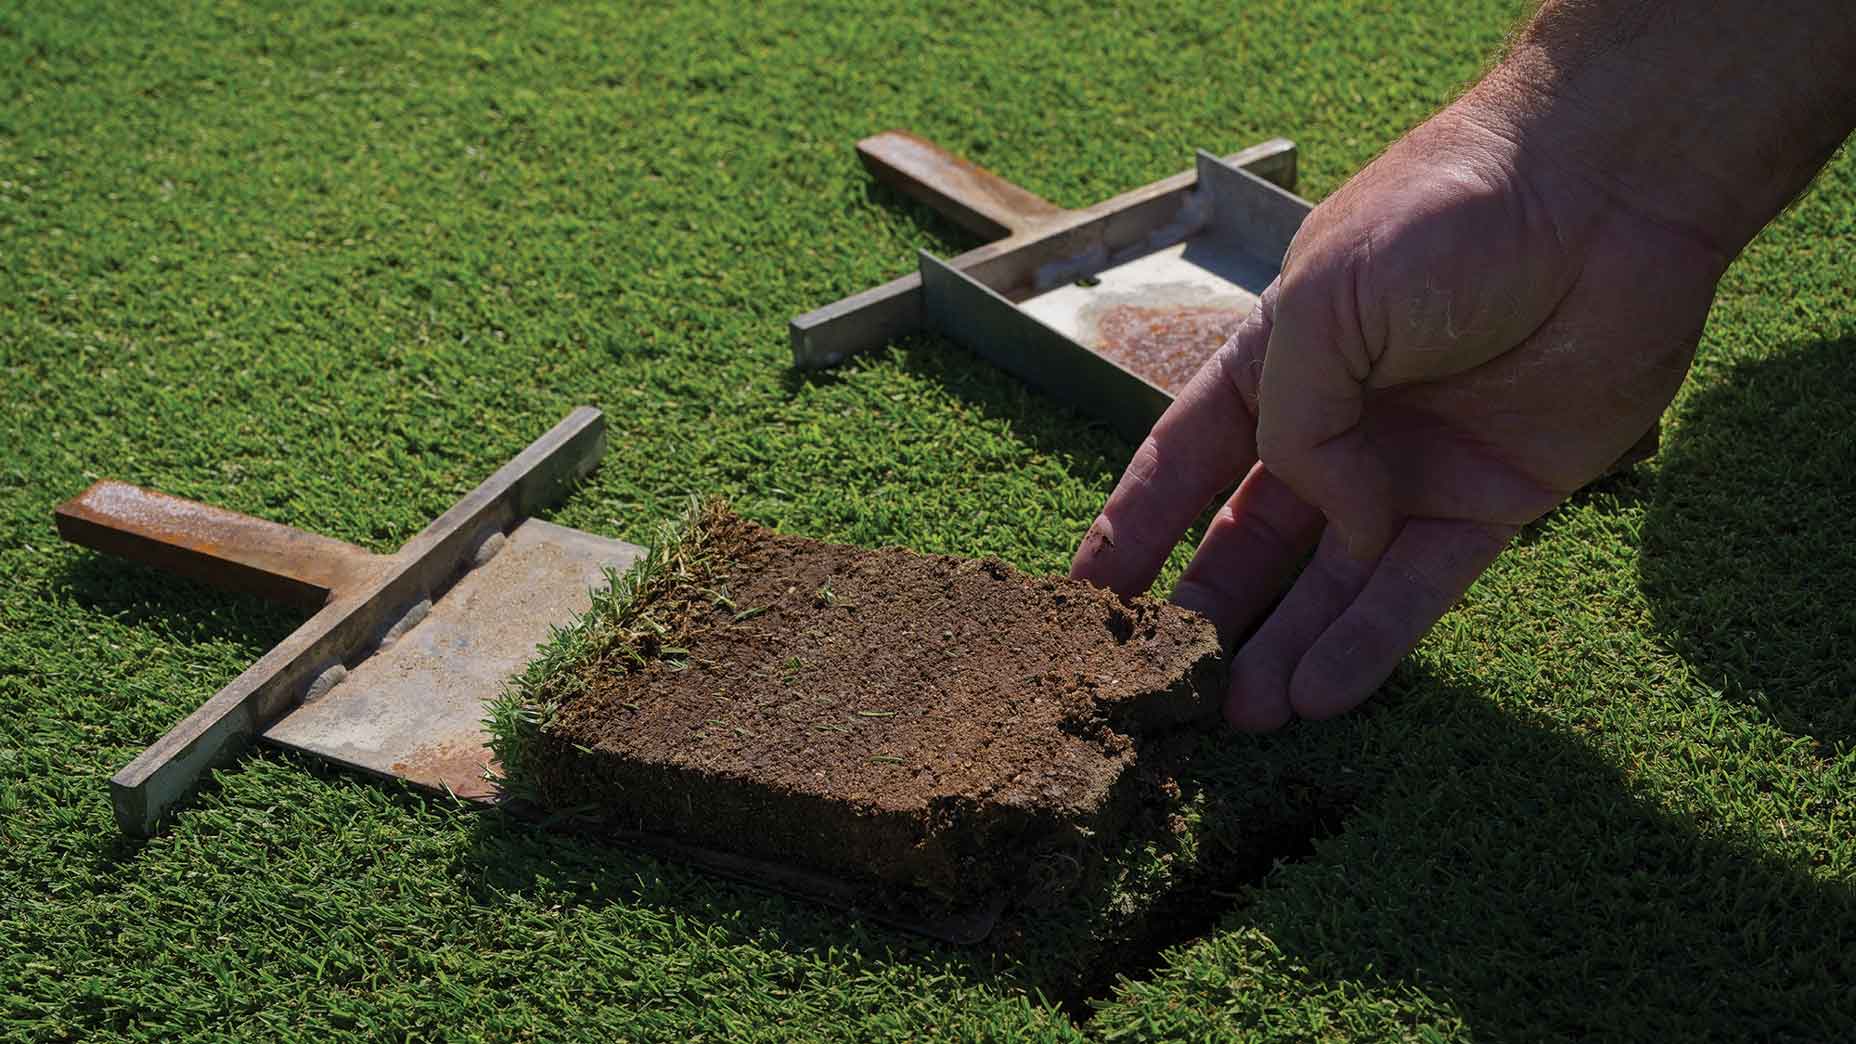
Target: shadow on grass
{"x":1089,"y":449}
{"x":1748,"y":559}
{"x":1068,"y":952}
{"x":515,"y":860}
{"x":1624,"y":489}
{"x":1497,"y":863}
{"x":179,"y":610}
{"x":1509,"y":870}
{"x":1040,"y":421}
{"x":947,"y":238}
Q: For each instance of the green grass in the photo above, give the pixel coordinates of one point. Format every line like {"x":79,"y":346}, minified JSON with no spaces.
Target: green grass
{"x":332,"y":265}
{"x":618,"y":631}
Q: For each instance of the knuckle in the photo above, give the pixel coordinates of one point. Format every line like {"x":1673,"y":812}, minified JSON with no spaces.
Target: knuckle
{"x":1144,"y":467}
{"x":1300,"y":297}
{"x":1340,"y":576}
{"x":1327,"y":300}
{"x":1261,"y":530}
{"x":1280,"y":451}
{"x":1240,"y":363}
{"x":1422,"y":588}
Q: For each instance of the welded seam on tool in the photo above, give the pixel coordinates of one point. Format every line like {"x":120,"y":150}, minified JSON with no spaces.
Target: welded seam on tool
{"x":330,"y":677}
{"x":406,"y":622}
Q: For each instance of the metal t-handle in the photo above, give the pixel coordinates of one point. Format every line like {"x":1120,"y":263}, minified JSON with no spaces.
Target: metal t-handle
{"x":219,"y":547}
{"x":966,"y":193}
{"x":359,"y":597}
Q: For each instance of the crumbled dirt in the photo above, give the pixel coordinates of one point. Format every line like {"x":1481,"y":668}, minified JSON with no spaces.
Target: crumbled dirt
{"x":884,"y":716}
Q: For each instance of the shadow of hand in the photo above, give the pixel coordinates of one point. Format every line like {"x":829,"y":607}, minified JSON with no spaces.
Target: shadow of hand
{"x":1748,"y":561}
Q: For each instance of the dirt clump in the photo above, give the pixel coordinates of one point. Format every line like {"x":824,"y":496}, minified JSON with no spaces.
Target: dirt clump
{"x":879,"y":715}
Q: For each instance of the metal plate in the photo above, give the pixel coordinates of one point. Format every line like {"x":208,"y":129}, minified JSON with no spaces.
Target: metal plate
{"x":1046,"y":242}
{"x":1163,"y":314}
{"x":414,"y":709}
{"x":1118,"y":333}
{"x":1000,"y":332}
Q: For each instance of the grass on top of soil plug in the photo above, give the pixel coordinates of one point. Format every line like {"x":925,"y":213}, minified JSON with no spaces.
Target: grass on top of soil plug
{"x":618,"y":632}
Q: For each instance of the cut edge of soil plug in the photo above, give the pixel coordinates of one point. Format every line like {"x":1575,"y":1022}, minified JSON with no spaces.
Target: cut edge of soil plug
{"x":918,"y":737}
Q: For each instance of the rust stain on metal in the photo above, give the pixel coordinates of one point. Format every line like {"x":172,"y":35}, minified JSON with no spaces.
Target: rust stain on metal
{"x":212,"y":545}
{"x":972,"y":196}
{"x":458,"y":767}
{"x":1166,"y":345}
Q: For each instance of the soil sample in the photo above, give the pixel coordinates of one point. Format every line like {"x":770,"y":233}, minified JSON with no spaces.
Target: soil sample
{"x":881,"y":716}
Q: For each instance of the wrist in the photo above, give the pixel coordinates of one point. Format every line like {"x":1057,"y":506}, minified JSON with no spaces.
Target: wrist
{"x":1692,"y":124}
{"x":1616,"y":154}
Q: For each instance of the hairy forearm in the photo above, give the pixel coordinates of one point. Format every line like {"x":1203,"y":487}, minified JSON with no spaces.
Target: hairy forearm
{"x":1706,"y":115}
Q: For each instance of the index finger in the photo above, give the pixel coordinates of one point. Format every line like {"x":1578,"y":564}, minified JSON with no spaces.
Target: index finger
{"x":1200,"y":447}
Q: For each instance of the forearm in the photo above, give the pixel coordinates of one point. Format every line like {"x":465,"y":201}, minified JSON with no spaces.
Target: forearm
{"x":1706,"y":115}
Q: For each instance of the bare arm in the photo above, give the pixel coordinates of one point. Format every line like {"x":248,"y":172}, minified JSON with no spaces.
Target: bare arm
{"x":1710,"y":115}
{"x":1477,"y":324}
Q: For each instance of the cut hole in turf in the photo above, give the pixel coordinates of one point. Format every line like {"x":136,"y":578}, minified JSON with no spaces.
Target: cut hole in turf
{"x":1174,"y":882}
{"x":1194,"y":907}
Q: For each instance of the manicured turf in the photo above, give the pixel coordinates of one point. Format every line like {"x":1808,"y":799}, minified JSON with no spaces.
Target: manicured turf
{"x":333,"y":265}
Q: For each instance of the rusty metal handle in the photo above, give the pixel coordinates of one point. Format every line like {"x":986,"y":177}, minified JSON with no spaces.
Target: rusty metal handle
{"x":219,"y":547}
{"x":971,"y":196}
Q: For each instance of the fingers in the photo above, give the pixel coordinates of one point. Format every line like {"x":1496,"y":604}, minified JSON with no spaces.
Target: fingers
{"x":1345,"y":624}
{"x":1249,"y":554}
{"x":1423,"y":573}
{"x":1203,"y":443}
{"x":1262,"y":670}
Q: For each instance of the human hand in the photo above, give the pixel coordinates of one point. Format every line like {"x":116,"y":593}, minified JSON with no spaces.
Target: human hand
{"x":1463,"y":335}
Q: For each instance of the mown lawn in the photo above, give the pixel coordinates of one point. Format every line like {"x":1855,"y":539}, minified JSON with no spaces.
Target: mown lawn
{"x":332,"y":264}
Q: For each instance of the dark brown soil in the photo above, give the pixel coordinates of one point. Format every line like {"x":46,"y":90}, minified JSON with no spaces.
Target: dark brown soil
{"x":884,"y":716}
